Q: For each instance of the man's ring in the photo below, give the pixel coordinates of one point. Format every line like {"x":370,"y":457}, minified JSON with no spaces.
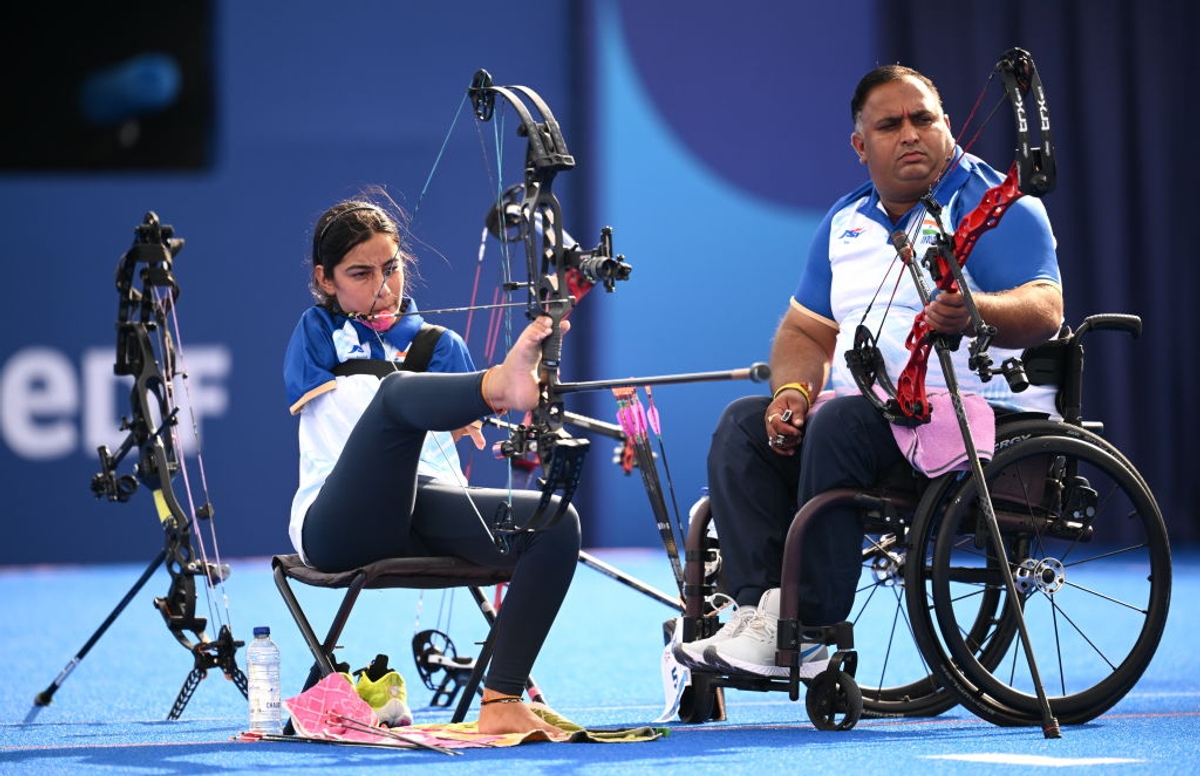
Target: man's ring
{"x":771,"y":418}
{"x":786,"y":417}
{"x":776,"y":441}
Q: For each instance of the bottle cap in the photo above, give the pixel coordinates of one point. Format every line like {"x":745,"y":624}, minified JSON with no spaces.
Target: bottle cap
{"x":262,"y":630}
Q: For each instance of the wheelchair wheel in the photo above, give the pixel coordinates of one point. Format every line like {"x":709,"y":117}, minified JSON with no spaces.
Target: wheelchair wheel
{"x":894,"y":678}
{"x":1089,"y":553}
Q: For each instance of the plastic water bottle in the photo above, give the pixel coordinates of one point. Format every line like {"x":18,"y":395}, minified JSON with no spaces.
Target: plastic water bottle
{"x":262,"y":680}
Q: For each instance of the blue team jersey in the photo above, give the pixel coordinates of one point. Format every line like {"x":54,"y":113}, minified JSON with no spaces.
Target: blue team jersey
{"x":330,"y":405}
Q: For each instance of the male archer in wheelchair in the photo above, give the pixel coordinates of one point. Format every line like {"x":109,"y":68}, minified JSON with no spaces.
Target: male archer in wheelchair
{"x":818,"y":431}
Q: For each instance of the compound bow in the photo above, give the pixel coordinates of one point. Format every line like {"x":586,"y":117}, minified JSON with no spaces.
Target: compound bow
{"x":559,"y":273}
{"x":1032,"y":173}
{"x":146,"y":351}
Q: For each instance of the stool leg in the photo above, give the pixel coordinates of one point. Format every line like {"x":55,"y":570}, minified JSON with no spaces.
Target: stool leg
{"x":472,"y":685}
{"x":322,"y":652}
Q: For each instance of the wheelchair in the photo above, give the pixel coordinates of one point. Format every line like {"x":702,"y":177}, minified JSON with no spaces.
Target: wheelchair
{"x":1085,"y":549}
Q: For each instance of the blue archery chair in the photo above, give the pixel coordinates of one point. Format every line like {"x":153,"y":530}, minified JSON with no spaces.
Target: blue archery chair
{"x":422,"y":573}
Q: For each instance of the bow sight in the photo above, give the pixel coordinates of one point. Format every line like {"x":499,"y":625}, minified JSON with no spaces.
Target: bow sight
{"x":505,"y":222}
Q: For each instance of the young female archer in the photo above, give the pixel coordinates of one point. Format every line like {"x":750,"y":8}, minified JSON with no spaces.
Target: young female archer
{"x":379,"y":475}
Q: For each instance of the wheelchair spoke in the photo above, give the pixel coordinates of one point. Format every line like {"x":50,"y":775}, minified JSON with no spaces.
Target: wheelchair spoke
{"x":1110,"y":554}
{"x":1110,"y":599}
{"x":1057,"y":610}
{"x":904,"y":685}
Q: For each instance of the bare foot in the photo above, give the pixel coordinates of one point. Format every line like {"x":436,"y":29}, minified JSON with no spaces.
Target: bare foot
{"x":513,"y":385}
{"x":514,"y":717}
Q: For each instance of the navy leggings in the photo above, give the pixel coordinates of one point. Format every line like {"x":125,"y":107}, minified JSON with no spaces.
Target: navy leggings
{"x":373,"y":506}
{"x":755,"y":493}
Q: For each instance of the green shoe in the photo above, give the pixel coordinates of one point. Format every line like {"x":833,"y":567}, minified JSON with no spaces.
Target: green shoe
{"x":388,"y":697}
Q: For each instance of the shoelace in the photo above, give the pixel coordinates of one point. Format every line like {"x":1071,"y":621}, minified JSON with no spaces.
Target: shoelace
{"x":762,"y":624}
{"x":740,"y":620}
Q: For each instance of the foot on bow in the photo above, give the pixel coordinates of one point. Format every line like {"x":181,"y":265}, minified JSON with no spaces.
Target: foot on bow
{"x":513,"y":385}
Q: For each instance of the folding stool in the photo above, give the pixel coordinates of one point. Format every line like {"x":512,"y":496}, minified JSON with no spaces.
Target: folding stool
{"x":428,"y":573}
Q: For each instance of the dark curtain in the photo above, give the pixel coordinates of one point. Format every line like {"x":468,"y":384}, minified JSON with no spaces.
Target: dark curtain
{"x":1120,"y":82}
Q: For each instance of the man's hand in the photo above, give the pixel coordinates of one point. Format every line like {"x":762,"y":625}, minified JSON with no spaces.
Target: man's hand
{"x":785,"y":422}
{"x":947,"y":313}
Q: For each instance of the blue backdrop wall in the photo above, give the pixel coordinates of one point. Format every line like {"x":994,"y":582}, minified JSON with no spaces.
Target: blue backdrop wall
{"x":309,"y":103}
{"x":710,"y":140}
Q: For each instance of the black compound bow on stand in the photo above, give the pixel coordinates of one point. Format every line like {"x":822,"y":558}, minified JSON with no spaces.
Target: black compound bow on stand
{"x":904,"y":402}
{"x":147,"y":352}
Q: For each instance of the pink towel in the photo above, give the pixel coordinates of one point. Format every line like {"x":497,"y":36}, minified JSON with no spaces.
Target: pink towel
{"x":936,"y":447}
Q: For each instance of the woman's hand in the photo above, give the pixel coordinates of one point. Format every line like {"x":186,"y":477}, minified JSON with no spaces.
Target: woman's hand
{"x":475,"y":431}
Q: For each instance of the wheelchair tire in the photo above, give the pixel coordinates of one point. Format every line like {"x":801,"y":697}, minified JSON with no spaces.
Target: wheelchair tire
{"x":833,"y":701}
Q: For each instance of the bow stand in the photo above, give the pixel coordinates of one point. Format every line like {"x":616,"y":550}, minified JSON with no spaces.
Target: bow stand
{"x":146,"y":351}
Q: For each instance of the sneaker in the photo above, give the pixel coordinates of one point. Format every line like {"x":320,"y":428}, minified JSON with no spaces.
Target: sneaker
{"x":691,"y":654}
{"x":752,"y":650}
{"x":387,"y":697}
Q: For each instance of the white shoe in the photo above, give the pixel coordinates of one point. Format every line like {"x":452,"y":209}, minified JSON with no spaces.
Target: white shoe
{"x":691,"y":654}
{"x":752,"y":649}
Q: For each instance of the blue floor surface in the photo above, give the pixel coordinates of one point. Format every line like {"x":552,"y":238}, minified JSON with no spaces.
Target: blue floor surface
{"x":600,"y":668}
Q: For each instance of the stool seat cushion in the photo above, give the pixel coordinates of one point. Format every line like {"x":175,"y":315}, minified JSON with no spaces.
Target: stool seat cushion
{"x":419,"y":573}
